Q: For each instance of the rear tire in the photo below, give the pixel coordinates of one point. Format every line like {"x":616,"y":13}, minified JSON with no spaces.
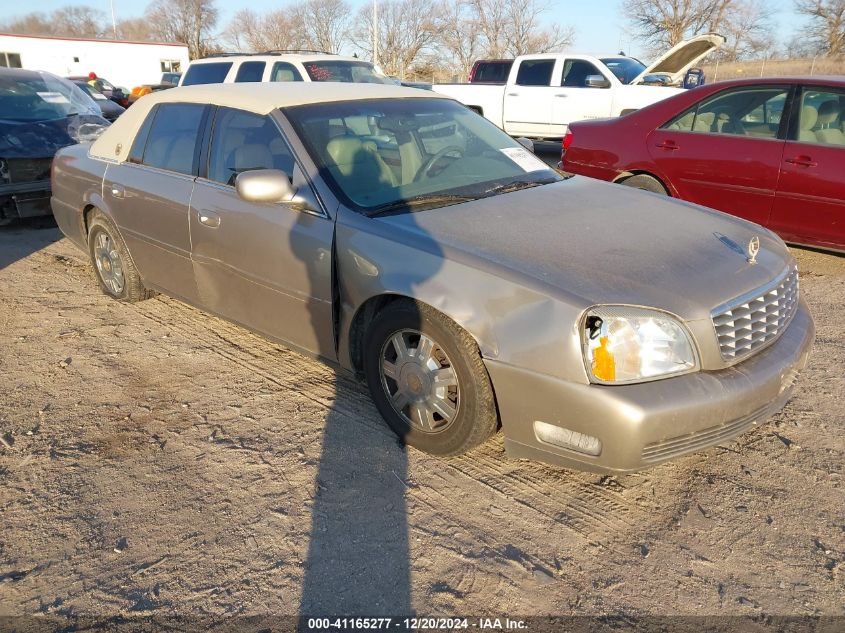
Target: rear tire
{"x":646,"y":183}
{"x":115,"y":271}
{"x":427,"y":379}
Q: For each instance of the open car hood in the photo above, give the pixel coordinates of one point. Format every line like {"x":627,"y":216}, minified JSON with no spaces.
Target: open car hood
{"x":674,"y":63}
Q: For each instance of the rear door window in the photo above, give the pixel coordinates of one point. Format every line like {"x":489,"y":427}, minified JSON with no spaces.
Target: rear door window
{"x":250,"y":72}
{"x":173,"y":136}
{"x":283,"y":71}
{"x":535,"y":72}
{"x":213,"y":73}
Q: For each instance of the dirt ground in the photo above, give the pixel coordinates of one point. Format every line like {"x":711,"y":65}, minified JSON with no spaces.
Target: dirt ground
{"x":157,"y":460}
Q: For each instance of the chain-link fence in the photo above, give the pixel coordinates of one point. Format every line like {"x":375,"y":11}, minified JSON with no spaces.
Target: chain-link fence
{"x":774,"y":68}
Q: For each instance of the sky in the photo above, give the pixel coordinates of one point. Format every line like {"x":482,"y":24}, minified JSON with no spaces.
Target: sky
{"x":598,"y":26}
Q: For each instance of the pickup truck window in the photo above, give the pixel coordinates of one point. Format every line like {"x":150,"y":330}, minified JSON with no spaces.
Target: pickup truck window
{"x":250,"y":72}
{"x":535,"y":72}
{"x":242,"y":141}
{"x":282,"y":71}
{"x":172,"y":140}
{"x":213,"y":73}
{"x":576,"y":71}
{"x":626,"y":69}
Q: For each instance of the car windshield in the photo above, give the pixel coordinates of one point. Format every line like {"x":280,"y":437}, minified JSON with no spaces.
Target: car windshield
{"x":40,"y":96}
{"x":396,"y":154}
{"x":91,"y":91}
{"x":626,"y":69}
{"x":350,"y":72}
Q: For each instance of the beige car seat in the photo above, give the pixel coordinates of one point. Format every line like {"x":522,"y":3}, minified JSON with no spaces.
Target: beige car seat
{"x":246,"y":158}
{"x":828,"y":131}
{"x":809,"y":117}
{"x":359,"y":167}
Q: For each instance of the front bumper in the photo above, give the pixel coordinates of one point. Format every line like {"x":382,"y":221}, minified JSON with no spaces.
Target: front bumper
{"x":645,"y":424}
{"x":25,"y":200}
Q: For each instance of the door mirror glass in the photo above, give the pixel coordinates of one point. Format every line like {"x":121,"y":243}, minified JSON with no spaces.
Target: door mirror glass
{"x":596,"y":81}
{"x":264,"y":185}
{"x":527,"y":143}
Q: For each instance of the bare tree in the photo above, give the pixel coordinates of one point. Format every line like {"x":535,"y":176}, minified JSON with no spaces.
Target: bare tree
{"x":460,"y":36}
{"x":251,"y":32}
{"x":661,"y":24}
{"x":326,"y":23}
{"x":190,"y":22}
{"x":512,"y":27}
{"x":748,"y":29}
{"x":664,"y":23}
{"x":523,"y":33}
{"x":825,"y":32}
{"x":406,"y":29}
{"x":69,"y":21}
{"x":135,"y":29}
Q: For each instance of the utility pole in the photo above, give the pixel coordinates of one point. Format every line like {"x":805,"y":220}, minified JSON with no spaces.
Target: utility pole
{"x":375,"y":32}
{"x":113,"y":21}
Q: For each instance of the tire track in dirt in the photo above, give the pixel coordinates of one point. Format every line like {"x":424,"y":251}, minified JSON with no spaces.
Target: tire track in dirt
{"x":566,"y":498}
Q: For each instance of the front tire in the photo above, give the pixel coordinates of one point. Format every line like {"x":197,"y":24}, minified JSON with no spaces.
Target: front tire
{"x":116,"y":273}
{"x":427,"y":379}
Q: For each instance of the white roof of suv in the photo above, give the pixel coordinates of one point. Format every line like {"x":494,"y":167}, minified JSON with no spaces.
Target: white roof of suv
{"x":270,"y":66}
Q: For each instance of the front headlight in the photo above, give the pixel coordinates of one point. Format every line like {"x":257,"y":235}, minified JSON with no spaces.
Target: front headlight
{"x":626,"y":344}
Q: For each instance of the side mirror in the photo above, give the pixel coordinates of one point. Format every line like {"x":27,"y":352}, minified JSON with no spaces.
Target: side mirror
{"x":527,"y":143}
{"x":264,"y":185}
{"x":596,"y":81}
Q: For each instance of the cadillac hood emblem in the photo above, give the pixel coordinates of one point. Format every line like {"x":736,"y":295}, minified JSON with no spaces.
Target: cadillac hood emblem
{"x":752,"y":249}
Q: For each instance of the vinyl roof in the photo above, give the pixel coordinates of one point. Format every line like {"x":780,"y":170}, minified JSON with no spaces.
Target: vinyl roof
{"x":260,"y":98}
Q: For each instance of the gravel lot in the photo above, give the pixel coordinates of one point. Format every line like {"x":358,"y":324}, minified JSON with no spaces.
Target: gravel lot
{"x":156,"y":460}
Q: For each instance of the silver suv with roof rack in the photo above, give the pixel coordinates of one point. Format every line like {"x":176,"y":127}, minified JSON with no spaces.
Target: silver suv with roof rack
{"x":281,"y":65}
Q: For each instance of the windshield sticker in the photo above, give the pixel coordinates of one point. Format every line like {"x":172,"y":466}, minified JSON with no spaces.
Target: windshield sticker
{"x":525,"y":159}
{"x":53,"y":97}
{"x":99,"y":96}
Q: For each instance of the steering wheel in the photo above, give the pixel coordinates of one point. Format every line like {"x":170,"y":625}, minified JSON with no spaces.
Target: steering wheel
{"x":431,"y":162}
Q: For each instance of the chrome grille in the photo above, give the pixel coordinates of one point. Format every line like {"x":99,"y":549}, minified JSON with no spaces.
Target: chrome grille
{"x":757,"y":318}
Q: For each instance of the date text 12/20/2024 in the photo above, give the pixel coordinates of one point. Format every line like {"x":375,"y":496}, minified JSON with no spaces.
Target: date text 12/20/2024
{"x":414,"y":624}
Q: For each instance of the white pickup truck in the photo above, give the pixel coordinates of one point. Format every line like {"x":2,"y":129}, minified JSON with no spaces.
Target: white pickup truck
{"x":545,"y":92}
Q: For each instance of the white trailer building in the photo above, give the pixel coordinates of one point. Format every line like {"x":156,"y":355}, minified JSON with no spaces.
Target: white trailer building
{"x":125,"y":64}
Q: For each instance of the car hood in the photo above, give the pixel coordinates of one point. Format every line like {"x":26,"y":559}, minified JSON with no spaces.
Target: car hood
{"x":593,"y":242}
{"x":681,"y":57}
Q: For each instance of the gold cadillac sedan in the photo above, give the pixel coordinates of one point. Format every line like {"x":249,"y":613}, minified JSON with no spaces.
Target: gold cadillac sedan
{"x":401,"y":237}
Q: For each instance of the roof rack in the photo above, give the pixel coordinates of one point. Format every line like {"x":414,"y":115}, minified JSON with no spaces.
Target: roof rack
{"x":294,"y":51}
{"x":271,"y":52}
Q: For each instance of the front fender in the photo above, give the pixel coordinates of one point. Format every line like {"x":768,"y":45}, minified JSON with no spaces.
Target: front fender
{"x":511,"y":322}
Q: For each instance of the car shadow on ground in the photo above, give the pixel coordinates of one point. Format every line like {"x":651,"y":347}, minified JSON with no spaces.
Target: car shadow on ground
{"x":358,"y":559}
{"x":21,"y":238}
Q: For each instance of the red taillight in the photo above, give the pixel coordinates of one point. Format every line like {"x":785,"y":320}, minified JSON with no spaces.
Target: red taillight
{"x":472,"y":73}
{"x":567,"y":140}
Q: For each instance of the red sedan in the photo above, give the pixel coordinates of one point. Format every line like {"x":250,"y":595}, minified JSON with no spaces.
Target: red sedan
{"x":768,"y":150}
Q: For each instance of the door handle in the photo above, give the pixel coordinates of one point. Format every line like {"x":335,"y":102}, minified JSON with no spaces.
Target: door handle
{"x":209,"y":219}
{"x":668,"y":145}
{"x":803,"y":161}
{"x":117,"y":191}
{"x":562,"y":96}
{"x":513,"y":94}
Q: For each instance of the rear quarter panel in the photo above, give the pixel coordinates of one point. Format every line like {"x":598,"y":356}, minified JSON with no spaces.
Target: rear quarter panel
{"x":77,"y":183}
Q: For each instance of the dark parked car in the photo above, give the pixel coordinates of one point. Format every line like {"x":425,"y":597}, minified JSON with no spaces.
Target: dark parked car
{"x":39,"y":114}
{"x":768,"y":150}
{"x":109,"y":108}
{"x":119,"y":95}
